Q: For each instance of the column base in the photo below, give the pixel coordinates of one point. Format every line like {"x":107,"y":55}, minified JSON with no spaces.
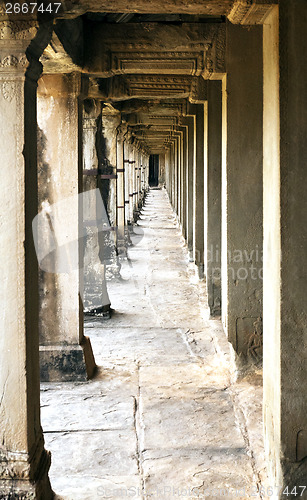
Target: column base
{"x":214,"y":299}
{"x":201,"y":270}
{"x":293,"y":475}
{"x":24,"y":476}
{"x":67,"y":363}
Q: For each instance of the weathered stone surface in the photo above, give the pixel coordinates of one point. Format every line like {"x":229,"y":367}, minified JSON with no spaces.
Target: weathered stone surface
{"x":161,"y":412}
{"x":24,"y":463}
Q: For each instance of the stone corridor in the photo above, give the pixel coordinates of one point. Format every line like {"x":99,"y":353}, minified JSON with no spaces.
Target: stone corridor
{"x":163,"y":418}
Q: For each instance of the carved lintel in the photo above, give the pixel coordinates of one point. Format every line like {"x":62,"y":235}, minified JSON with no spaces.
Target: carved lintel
{"x":189,"y":63}
{"x":248,"y":12}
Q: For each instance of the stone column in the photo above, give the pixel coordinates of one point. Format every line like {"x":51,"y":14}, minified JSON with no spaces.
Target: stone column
{"x":143,"y":181}
{"x":95,"y":294}
{"x":147,"y":173}
{"x":179,"y":171}
{"x":120,"y":172}
{"x":108,"y":187}
{"x":197,"y":110}
{"x":127,"y":178}
{"x":134,"y":182}
{"x":242,"y":191}
{"x":189,"y":122}
{"x":162,"y":169}
{"x":24,"y":463}
{"x":168,"y":170}
{"x":138,"y":179}
{"x":285,"y":247}
{"x":65,"y":353}
{"x":176,"y":173}
{"x":172,"y":173}
{"x":131,"y":182}
{"x":214,"y":164}
{"x":183,"y":188}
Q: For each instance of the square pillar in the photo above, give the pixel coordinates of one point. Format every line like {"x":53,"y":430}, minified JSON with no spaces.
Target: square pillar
{"x":107,"y":184}
{"x":242,"y":192}
{"x":65,"y":353}
{"x":127,"y":178}
{"x":184,"y":178}
{"x":168,"y":170}
{"x":120,"y":172}
{"x":176,"y":173}
{"x":24,"y":463}
{"x":214,"y":201}
{"x":188,"y":121}
{"x":95,"y":293}
{"x":198,"y":113}
{"x":285,"y":247}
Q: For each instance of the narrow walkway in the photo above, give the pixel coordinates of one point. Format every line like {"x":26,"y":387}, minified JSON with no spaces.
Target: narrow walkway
{"x":160,"y":420}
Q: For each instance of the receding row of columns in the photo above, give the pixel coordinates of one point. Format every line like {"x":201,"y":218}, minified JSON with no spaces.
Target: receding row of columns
{"x":235,"y":174}
{"x":83,"y":148}
{"x":56,"y":144}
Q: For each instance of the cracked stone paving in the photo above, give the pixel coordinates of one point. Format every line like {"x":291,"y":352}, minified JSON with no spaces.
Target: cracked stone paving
{"x":163,"y":418}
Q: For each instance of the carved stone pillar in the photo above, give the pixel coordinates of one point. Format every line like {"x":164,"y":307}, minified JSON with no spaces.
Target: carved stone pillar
{"x":181,"y":175}
{"x":65,"y":353}
{"x":188,"y":121}
{"x":108,"y":186}
{"x":168,"y":169}
{"x":183,"y":178}
{"x":120,"y":171}
{"x":285,"y":247}
{"x":127,"y":178}
{"x":198,"y":112}
{"x":214,"y":164}
{"x":178,"y":178}
{"x":95,"y":293}
{"x":24,"y":463}
{"x":139,"y":179}
{"x":142,"y":176}
{"x":172,"y":173}
{"x":130,"y":177}
{"x":242,"y":191}
{"x":162,"y":169}
{"x":147,"y":173}
{"x":176,"y":172}
{"x":135,"y":180}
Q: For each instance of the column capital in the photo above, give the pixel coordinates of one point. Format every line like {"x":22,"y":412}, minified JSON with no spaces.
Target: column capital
{"x":121,"y":132}
{"x":215,"y":67}
{"x":61,"y":85}
{"x":21,"y":45}
{"x":198,"y":93}
{"x":249,"y":12}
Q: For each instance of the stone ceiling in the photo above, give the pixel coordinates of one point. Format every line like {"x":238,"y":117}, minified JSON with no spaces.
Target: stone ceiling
{"x":147,"y":58}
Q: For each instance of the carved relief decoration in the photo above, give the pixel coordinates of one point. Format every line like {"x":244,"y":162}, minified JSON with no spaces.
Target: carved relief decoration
{"x":14,"y":61}
{"x":9,"y":90}
{"x":18,"y":30}
{"x":190,"y":63}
